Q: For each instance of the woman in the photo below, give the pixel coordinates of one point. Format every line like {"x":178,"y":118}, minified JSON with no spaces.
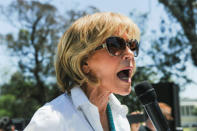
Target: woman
{"x":95,"y":59}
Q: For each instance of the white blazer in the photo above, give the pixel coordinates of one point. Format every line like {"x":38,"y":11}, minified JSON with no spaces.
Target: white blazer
{"x":76,"y":113}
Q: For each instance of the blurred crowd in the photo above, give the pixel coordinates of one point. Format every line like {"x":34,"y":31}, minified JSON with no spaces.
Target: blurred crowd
{"x":6,"y":124}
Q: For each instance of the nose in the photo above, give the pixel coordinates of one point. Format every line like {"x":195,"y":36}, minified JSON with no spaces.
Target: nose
{"x":128,"y":54}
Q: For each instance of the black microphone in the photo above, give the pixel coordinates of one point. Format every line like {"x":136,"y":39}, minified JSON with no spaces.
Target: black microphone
{"x":147,"y":95}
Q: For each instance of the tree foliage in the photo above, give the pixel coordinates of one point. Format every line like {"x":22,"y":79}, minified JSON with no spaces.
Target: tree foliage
{"x":169,"y":54}
{"x":35,"y":42}
{"x":185,"y":12}
{"x":17,"y":97}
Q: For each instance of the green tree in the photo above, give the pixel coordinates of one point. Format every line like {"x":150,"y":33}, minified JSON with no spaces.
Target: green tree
{"x":7,"y":103}
{"x":17,"y":98}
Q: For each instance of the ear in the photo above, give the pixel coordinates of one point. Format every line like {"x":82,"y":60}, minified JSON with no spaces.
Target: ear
{"x":86,"y":68}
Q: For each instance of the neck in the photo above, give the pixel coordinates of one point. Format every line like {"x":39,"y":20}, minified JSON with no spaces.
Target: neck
{"x":98,"y":97}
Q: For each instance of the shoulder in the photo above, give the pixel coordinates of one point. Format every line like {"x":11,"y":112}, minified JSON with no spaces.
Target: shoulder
{"x":52,"y":115}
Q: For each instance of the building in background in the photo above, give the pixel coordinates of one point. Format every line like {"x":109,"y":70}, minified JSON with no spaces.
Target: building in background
{"x":188,"y":115}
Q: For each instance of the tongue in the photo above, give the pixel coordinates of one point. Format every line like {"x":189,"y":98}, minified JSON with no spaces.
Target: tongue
{"x":122,"y":75}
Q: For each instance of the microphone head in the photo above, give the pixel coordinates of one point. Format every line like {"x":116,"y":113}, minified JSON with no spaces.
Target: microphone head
{"x":145,"y":92}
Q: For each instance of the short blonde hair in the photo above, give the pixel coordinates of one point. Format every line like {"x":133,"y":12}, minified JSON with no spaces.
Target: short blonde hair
{"x":81,"y":39}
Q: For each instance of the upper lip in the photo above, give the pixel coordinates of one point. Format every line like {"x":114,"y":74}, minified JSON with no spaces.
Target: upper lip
{"x":127,"y":68}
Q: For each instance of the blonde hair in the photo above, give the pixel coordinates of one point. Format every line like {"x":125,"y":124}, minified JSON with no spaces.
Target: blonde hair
{"x":81,"y":39}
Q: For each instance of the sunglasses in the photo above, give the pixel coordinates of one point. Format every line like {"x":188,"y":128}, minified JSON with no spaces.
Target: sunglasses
{"x":117,"y":45}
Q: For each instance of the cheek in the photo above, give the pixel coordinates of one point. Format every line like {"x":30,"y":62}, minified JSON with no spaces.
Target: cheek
{"x":104,"y":68}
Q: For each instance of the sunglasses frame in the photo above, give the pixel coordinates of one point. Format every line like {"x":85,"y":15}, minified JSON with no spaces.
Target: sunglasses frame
{"x":104,"y":45}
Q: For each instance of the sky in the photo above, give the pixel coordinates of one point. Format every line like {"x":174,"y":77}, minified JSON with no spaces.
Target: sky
{"x":155,"y":9}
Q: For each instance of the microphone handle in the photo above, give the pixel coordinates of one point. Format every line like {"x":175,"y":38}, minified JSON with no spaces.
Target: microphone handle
{"x":156,"y":116}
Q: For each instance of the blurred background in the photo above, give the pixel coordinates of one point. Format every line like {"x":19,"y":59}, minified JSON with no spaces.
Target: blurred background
{"x":30,"y":30}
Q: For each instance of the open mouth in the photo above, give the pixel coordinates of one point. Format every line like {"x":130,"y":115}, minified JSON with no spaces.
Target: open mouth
{"x":124,"y":75}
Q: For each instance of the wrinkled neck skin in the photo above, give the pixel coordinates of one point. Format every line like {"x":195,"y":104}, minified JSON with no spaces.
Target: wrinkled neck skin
{"x":98,"y":97}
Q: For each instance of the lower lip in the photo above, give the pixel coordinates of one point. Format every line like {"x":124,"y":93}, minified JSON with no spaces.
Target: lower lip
{"x":128,"y":80}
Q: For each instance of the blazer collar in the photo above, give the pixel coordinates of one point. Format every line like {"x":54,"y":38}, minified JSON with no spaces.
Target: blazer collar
{"x":116,"y":106}
{"x":89,"y":110}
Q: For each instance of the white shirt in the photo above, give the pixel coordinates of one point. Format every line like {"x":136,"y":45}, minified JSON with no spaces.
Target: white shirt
{"x":75,"y":112}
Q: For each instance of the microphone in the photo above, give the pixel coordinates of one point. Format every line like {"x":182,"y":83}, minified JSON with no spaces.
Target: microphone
{"x":147,"y":95}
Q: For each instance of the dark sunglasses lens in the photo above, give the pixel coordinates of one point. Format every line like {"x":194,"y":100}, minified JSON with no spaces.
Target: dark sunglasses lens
{"x":134,"y":46}
{"x":115,"y":45}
